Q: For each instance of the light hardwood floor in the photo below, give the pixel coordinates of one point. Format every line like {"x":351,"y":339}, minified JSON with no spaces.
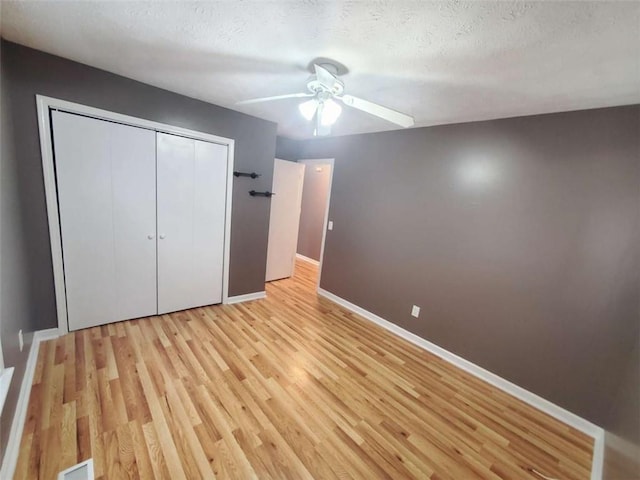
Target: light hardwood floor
{"x":289,"y":387}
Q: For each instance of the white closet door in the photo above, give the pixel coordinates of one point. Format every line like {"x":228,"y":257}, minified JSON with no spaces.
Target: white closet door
{"x":105,"y":176}
{"x":133,"y":169}
{"x":191,"y":218}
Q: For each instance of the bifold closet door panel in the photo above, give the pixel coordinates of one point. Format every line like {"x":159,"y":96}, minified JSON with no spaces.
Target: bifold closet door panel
{"x":133,"y":169}
{"x":105,"y":174}
{"x":191,"y":219}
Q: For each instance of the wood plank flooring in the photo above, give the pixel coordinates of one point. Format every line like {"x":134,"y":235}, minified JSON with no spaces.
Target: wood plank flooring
{"x":291,"y":387}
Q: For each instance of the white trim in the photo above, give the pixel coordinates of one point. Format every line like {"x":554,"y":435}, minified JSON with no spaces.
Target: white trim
{"x":19,"y":416}
{"x":5,"y":383}
{"x":322,"y":161}
{"x":44,"y":106}
{"x":1,"y":355}
{"x":597,"y":464}
{"x":526,"y":396}
{"x":98,"y":113}
{"x":227,"y":225}
{"x":51,"y":196}
{"x":307,"y":259}
{"x":246,"y":297}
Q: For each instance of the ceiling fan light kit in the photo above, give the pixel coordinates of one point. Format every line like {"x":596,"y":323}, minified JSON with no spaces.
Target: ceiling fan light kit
{"x":330,"y":112}
{"x":308,"y":109}
{"x":327,"y":111}
{"x":325,"y":90}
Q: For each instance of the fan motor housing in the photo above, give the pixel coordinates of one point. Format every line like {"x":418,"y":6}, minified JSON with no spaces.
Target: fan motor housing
{"x":315,"y":86}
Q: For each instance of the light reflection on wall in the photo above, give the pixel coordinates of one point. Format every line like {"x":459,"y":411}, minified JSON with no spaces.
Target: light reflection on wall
{"x":478,"y":173}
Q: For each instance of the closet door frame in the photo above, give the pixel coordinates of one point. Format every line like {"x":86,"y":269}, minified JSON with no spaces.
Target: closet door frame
{"x":44,"y":106}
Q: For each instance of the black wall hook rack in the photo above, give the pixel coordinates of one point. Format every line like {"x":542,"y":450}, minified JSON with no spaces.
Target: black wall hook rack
{"x":253,"y":193}
{"x":243,"y":174}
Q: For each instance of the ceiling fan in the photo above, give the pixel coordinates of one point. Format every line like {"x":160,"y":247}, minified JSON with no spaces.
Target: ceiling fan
{"x":324,"y":89}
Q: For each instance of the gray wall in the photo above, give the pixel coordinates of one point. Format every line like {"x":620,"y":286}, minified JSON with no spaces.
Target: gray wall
{"x":622,"y":454}
{"x":27,"y":280}
{"x":16,"y":285}
{"x":314,"y":204}
{"x":287,"y":149}
{"x":519,"y":238}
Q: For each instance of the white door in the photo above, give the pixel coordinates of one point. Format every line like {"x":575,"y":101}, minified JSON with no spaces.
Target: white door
{"x":288,"y":178}
{"x":105,"y":176}
{"x":191,"y":219}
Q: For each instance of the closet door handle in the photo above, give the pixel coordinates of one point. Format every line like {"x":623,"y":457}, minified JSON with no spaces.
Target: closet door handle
{"x":150,"y":237}
{"x":162,"y":236}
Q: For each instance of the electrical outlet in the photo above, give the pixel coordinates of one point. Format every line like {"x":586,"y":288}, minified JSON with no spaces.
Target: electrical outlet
{"x":20,"y":340}
{"x":330,"y":225}
{"x":415,"y":311}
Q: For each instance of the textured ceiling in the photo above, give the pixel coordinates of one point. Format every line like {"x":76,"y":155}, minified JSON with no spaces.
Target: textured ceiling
{"x":442,"y":62}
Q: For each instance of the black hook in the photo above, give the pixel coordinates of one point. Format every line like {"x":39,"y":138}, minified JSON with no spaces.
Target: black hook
{"x":267,"y":194}
{"x":242,"y":174}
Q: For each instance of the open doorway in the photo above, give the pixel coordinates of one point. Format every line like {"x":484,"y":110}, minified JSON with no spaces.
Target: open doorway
{"x":314,"y":213}
{"x":299,"y":216}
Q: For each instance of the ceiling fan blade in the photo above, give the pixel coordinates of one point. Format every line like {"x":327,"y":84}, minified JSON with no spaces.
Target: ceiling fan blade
{"x":277,"y":97}
{"x":325,"y":77}
{"x":385,"y":113}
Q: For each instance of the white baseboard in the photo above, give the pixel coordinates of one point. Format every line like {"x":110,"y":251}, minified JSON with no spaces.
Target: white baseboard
{"x":246,"y":298}
{"x":19,"y":416}
{"x":526,"y":396}
{"x":307,"y":259}
{"x":597,"y":464}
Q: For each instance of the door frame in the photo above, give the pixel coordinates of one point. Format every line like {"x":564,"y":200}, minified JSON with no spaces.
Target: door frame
{"x":322,"y":161}
{"x":44,"y":106}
